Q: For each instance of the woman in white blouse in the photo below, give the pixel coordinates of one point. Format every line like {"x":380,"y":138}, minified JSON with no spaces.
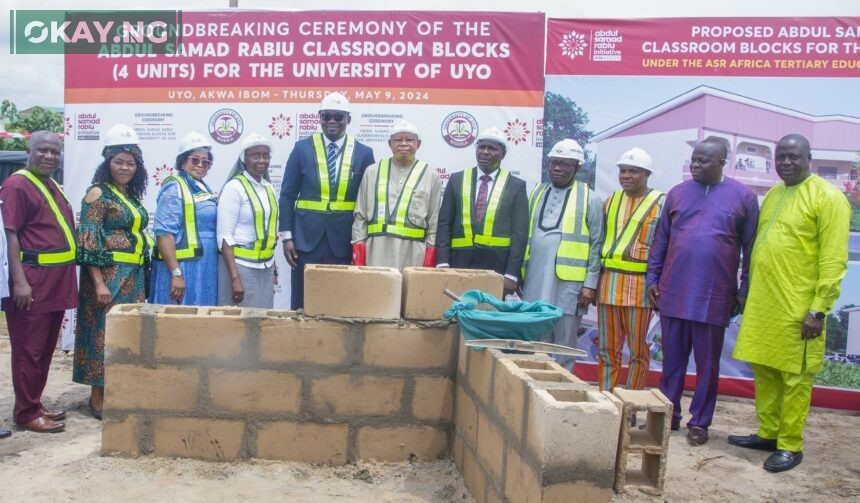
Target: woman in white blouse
{"x":247,"y":229}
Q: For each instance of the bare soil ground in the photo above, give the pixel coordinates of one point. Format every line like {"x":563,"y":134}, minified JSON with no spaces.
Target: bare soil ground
{"x":67,"y":467}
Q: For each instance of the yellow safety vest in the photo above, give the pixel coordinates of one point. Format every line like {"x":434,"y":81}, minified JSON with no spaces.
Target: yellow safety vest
{"x":325,"y":204}
{"x":189,"y":215}
{"x":571,"y":259}
{"x":486,"y":238}
{"x":50,"y":257}
{"x":135,"y":257}
{"x":620,"y":239}
{"x":400,"y":227}
{"x":267,"y":238}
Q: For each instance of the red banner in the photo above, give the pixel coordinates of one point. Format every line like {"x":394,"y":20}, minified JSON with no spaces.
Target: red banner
{"x":741,"y":47}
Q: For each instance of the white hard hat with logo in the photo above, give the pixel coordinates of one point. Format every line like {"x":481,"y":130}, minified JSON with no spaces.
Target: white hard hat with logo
{"x":637,"y":158}
{"x":404,"y":127}
{"x":336,"y":102}
{"x":567,"y":149}
{"x":493,"y":134}
{"x":121,"y":134}
{"x":194,"y":141}
{"x":254,"y":140}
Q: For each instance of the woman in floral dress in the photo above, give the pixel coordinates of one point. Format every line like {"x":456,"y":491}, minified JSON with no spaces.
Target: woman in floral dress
{"x":113,"y":253}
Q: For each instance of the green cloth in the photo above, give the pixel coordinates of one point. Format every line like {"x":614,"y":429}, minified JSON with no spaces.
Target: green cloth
{"x":525,"y":321}
{"x":798,"y":261}
{"x":782,"y":405}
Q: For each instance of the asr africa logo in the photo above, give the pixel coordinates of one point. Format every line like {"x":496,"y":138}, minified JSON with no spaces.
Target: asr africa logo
{"x":226,"y":126}
{"x":459,"y":129}
{"x":573,"y":44}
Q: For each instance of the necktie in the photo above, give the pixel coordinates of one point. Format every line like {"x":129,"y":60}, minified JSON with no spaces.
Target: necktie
{"x":481,"y":199}
{"x":331,"y":160}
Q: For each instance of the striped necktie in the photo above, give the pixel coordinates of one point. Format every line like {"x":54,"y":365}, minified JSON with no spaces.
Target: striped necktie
{"x":331,"y":160}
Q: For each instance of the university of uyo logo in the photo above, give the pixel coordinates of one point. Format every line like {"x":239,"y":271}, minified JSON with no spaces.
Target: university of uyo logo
{"x":226,"y":126}
{"x":459,"y":129}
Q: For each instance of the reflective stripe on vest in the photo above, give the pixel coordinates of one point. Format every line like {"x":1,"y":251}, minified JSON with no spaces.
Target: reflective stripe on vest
{"x":325,"y":204}
{"x":50,"y":257}
{"x":571,"y":259}
{"x":620,"y":239}
{"x":400,"y":227}
{"x":189,"y":216}
{"x":264,"y":244}
{"x":486,"y":238}
{"x":135,"y":257}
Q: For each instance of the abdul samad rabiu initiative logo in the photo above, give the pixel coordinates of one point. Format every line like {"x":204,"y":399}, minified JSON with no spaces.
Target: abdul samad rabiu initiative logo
{"x":573,"y":44}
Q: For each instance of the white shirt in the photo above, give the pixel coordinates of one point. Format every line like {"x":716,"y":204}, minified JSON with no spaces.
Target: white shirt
{"x":236,"y":224}
{"x":4,"y":258}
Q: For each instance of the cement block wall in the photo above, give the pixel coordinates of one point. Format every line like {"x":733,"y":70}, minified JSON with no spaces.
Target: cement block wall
{"x":230,"y":383}
{"x":529,"y":431}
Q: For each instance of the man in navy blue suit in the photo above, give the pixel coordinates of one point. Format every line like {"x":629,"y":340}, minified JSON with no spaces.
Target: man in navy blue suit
{"x":318,"y":194}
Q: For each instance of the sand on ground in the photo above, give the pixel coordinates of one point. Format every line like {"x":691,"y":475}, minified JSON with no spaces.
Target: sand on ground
{"x":67,"y":466}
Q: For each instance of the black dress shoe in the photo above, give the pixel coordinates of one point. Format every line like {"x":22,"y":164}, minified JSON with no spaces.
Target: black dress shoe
{"x":696,"y":435}
{"x":781,"y":461}
{"x":5,"y":433}
{"x":753,"y":442}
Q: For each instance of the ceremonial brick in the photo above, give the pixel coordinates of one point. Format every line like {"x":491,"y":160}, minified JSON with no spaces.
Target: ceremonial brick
{"x":352,"y":291}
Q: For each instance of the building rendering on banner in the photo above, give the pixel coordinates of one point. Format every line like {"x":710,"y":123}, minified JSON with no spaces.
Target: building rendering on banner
{"x":670,"y":130}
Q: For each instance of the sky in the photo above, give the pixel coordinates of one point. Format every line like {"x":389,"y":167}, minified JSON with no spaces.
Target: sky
{"x":31,"y":80}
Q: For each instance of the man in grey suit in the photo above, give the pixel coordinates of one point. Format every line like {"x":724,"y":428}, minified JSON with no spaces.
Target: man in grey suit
{"x":483,"y":222}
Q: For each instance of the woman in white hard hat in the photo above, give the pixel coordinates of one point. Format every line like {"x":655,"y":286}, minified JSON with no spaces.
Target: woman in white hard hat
{"x":186,"y":261}
{"x":113,"y":252}
{"x":247,"y":229}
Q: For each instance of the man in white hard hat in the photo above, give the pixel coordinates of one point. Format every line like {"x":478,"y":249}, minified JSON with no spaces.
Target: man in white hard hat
{"x":483,"y":219}
{"x":40,"y":229}
{"x":397,"y":209}
{"x":708,"y":223}
{"x":318,"y":194}
{"x":562,"y":261}
{"x":623,"y":309}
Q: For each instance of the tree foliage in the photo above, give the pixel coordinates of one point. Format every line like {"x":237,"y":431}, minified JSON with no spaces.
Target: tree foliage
{"x":837,"y":330}
{"x":563,"y":118}
{"x":39,"y":119}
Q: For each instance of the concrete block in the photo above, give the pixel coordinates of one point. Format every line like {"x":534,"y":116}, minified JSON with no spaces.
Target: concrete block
{"x":304,"y":340}
{"x":211,"y":333}
{"x":491,"y":446}
{"x":402,"y":443}
{"x":433,"y":398}
{"x":263,"y":391}
{"x":356,"y":395}
{"x":462,"y":354}
{"x":408,"y":346}
{"x":473,"y":477}
{"x":305,"y":442}
{"x":651,"y":445}
{"x":122,"y":330}
{"x":575,"y":427}
{"x":521,"y":482}
{"x":212,"y":439}
{"x":162,"y":388}
{"x":120,"y":436}
{"x":509,"y":396}
{"x":423,"y":297}
{"x":457,"y":453}
{"x":582,"y":491}
{"x":466,"y":416}
{"x":352,"y":291}
{"x":480,"y":372}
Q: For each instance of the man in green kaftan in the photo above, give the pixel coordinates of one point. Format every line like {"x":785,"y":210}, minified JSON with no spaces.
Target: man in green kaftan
{"x":798,"y":261}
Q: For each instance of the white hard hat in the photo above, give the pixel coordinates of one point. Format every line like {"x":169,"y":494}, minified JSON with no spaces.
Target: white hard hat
{"x":254,"y":140}
{"x":567,"y":149}
{"x":336,"y":102}
{"x":194,"y":141}
{"x":637,"y":158}
{"x":493,"y":134}
{"x":404,"y":127}
{"x":121,"y":134}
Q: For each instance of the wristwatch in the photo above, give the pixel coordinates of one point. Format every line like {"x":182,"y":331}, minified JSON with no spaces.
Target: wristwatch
{"x":177,"y":273}
{"x":818,"y":315}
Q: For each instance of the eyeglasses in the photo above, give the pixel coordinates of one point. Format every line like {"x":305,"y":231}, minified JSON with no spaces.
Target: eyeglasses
{"x":259,"y":157}
{"x":198,"y":161}
{"x":404,"y":140}
{"x":335,"y":117}
{"x":564,"y":164}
